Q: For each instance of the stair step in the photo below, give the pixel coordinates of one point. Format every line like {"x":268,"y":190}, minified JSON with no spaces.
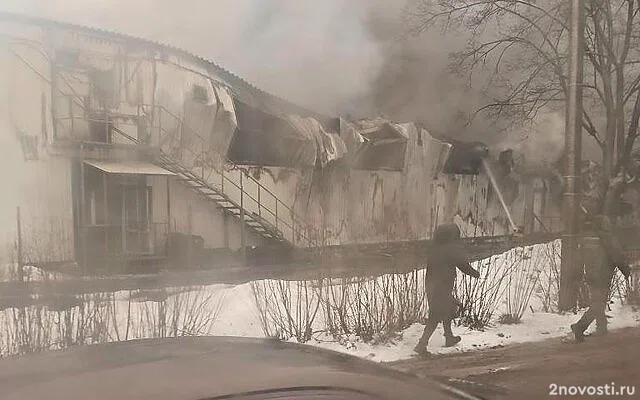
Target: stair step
{"x":251,"y":219}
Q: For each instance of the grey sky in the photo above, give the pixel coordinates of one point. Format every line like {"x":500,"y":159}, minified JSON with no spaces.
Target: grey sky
{"x":316,"y":53}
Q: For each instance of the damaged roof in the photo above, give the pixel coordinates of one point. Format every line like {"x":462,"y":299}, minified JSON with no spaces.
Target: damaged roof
{"x":242,"y":89}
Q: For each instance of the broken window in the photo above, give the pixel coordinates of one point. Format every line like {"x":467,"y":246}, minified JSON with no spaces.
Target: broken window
{"x":465,"y":158}
{"x":199,"y":94}
{"x":29,"y":144}
{"x":67,"y":58}
{"x":104,"y":88}
{"x":100,"y":130}
{"x":384,"y":148}
{"x":266,"y":140}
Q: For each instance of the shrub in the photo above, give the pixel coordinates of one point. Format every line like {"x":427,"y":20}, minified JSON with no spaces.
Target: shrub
{"x":479,"y":298}
{"x":522,"y":282}
{"x":287,"y":309}
{"x":549,"y":279}
{"x":374,"y":309}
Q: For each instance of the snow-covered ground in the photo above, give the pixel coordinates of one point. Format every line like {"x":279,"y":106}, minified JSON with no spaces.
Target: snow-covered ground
{"x":534,"y":327}
{"x":9,"y":272}
{"x":521,"y":279}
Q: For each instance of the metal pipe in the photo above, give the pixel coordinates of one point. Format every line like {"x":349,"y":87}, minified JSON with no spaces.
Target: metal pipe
{"x":19,"y":262}
{"x":494,"y":183}
{"x":573,"y":151}
{"x":243,"y":222}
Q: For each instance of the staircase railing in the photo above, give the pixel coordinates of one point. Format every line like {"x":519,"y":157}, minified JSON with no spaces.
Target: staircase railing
{"x":279,"y":214}
{"x":192,"y":155}
{"x":238,"y":185}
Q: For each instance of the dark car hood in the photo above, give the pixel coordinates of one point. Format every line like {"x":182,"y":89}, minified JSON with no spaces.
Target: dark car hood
{"x":200,"y":367}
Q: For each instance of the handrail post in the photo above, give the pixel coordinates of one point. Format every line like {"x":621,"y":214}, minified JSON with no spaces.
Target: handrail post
{"x":293,"y":229}
{"x":222,"y":183}
{"x":160,"y":138}
{"x":277,"y":214}
{"x":259,"y":203}
{"x":73,"y":131}
{"x":242,"y":221}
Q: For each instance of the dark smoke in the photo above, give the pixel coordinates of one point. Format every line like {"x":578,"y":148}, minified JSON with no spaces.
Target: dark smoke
{"x":340,"y":57}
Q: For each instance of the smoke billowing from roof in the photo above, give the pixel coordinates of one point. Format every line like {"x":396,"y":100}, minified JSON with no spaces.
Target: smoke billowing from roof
{"x":335,"y":56}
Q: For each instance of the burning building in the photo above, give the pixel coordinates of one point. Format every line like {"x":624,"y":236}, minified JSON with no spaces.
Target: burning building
{"x":123,"y":150}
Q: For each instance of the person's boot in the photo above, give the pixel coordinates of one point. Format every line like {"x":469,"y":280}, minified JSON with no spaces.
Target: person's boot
{"x":422,"y":351}
{"x":601,"y":328}
{"x":421,"y":347}
{"x":578,"y":332}
{"x":452,"y":341}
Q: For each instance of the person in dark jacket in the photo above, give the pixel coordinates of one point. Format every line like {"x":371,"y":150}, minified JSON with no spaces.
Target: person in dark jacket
{"x":446,"y":255}
{"x":602,"y":253}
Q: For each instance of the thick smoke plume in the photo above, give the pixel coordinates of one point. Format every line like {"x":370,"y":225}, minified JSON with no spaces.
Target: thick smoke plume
{"x":335,"y":56}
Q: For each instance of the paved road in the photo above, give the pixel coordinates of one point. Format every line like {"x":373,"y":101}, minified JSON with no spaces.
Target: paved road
{"x":530,"y":369}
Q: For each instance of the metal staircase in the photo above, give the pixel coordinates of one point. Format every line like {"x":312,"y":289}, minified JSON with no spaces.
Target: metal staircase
{"x":232,"y":191}
{"x":229,"y":191}
{"x":254,"y":221}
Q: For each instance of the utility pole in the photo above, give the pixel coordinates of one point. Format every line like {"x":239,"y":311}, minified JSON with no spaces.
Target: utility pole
{"x":573,"y":155}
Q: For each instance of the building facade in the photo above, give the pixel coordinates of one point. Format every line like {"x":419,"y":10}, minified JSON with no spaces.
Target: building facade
{"x":117,"y":148}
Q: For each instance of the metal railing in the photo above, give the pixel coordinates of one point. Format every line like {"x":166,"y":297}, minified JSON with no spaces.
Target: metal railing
{"x":134,"y":239}
{"x":548,"y":224}
{"x":192,"y":158}
{"x":299,"y":229}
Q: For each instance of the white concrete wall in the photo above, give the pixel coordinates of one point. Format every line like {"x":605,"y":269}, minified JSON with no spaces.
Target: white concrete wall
{"x":340,"y":206}
{"x":196,"y":215}
{"x":373,"y":206}
{"x":40,"y":187}
{"x":356,"y":206}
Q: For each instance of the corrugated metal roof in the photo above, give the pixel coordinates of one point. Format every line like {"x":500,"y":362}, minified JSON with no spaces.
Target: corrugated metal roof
{"x":129,"y":167}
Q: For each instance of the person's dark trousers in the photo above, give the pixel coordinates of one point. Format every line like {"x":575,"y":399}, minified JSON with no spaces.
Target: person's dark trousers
{"x":430,"y":327}
{"x":596,"y":311}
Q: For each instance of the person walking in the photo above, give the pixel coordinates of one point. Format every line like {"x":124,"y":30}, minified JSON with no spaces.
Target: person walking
{"x":602,"y":253}
{"x":446,"y":256}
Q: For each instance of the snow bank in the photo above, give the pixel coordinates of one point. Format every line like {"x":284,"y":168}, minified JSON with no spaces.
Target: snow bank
{"x":9,"y":272}
{"x":521,"y":281}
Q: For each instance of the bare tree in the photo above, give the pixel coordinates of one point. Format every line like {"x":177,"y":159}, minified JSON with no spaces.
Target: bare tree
{"x":522,"y":45}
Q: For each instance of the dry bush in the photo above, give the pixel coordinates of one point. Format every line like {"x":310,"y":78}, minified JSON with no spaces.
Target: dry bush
{"x":287,"y":309}
{"x":64,"y":321}
{"x":94,"y":318}
{"x":620,"y":289}
{"x":190,"y":313}
{"x":25,"y":330}
{"x":479,"y":298}
{"x":633,"y":295}
{"x":374,"y":309}
{"x":521,"y":283}
{"x":549,"y":280}
{"x":81,"y":320}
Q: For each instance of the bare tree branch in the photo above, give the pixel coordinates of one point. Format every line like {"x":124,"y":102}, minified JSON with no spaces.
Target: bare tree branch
{"x":523,"y":46}
{"x":587,"y":123}
{"x":632,"y":135}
